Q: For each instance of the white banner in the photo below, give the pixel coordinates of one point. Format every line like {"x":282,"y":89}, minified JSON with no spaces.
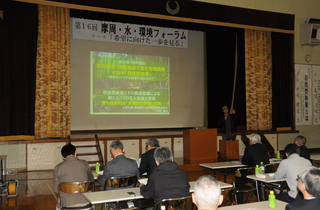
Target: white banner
{"x":303,"y":94}
{"x":316,"y":94}
{"x":107,"y":31}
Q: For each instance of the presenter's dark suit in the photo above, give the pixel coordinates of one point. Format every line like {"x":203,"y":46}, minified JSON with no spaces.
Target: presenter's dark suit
{"x":254,"y":154}
{"x":304,"y":152}
{"x":147,"y":163}
{"x":71,"y":169}
{"x":222,"y":123}
{"x":304,"y":204}
{"x":166,"y":181}
{"x":119,"y":167}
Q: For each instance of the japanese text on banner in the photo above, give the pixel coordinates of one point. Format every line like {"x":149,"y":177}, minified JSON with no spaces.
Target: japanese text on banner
{"x":107,"y":31}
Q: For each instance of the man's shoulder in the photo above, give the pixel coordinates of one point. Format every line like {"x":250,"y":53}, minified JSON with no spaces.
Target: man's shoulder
{"x":295,"y":159}
{"x":159,"y":172}
{"x":259,"y":146}
{"x":303,"y":146}
{"x":149,"y":152}
{"x":171,"y":167}
{"x":252,"y":147}
{"x":58,"y":165}
{"x":123,"y":159}
{"x":303,"y":203}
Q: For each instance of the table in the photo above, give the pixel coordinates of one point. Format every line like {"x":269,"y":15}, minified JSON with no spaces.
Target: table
{"x":223,"y":165}
{"x":315,"y":157}
{"x":265,"y":180}
{"x":263,"y":205}
{"x":3,"y":159}
{"x":122,"y":194}
{"x":232,"y":164}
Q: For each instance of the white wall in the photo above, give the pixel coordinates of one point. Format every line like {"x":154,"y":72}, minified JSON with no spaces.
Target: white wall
{"x":16,"y":155}
{"x":303,"y":11}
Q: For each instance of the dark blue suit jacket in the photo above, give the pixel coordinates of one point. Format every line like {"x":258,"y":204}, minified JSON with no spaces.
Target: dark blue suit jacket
{"x":147,"y":163}
{"x":254,"y":154}
{"x":304,"y":204}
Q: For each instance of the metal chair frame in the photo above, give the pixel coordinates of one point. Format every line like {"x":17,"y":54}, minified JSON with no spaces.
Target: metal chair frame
{"x":244,"y":188}
{"x":272,"y":168}
{"x":183,"y":203}
{"x":118,"y":182}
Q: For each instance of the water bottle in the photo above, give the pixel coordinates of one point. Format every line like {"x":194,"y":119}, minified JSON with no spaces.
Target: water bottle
{"x":257,"y":170}
{"x":272,"y":200}
{"x":278,"y":155}
{"x":261,"y":168}
{"x":97,"y":167}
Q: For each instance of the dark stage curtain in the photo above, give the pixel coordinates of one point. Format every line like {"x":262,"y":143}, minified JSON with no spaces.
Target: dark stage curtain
{"x":282,"y":80}
{"x":221,"y":42}
{"x":18,"y":38}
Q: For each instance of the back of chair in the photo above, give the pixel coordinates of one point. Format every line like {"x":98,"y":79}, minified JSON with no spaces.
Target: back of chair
{"x":121,"y":181}
{"x":271,"y":168}
{"x":76,"y":187}
{"x":242,"y":173}
{"x":132,"y":208}
{"x":184,"y":203}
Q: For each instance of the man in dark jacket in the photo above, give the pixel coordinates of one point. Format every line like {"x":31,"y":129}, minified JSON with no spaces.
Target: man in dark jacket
{"x":304,"y":152}
{"x":147,"y":163}
{"x":167,"y":180}
{"x":227,"y":123}
{"x":255,"y":153}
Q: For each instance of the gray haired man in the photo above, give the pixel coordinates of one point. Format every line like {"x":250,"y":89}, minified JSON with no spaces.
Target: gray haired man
{"x":309,"y":186}
{"x":255,"y":152}
{"x":120,"y":166}
{"x":167,"y":180}
{"x":147,"y":163}
{"x":207,"y":193}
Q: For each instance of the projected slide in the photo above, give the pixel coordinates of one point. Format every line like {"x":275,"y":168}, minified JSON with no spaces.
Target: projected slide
{"x":129,"y":84}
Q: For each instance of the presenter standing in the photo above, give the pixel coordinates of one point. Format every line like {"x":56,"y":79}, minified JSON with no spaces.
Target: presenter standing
{"x":227,"y":123}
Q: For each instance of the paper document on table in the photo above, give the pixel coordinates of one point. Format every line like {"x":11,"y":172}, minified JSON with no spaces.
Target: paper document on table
{"x":143,"y":180}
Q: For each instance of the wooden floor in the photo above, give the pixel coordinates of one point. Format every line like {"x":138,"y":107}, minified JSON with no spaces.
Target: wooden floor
{"x":35,"y":190}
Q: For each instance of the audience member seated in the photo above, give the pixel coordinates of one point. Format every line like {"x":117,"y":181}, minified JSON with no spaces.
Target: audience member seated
{"x":309,"y":185}
{"x":288,"y":169}
{"x":71,"y":169}
{"x":304,"y":152}
{"x":167,"y":180}
{"x":120,"y":166}
{"x":255,"y":153}
{"x":207,"y":193}
{"x":147,"y":163}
